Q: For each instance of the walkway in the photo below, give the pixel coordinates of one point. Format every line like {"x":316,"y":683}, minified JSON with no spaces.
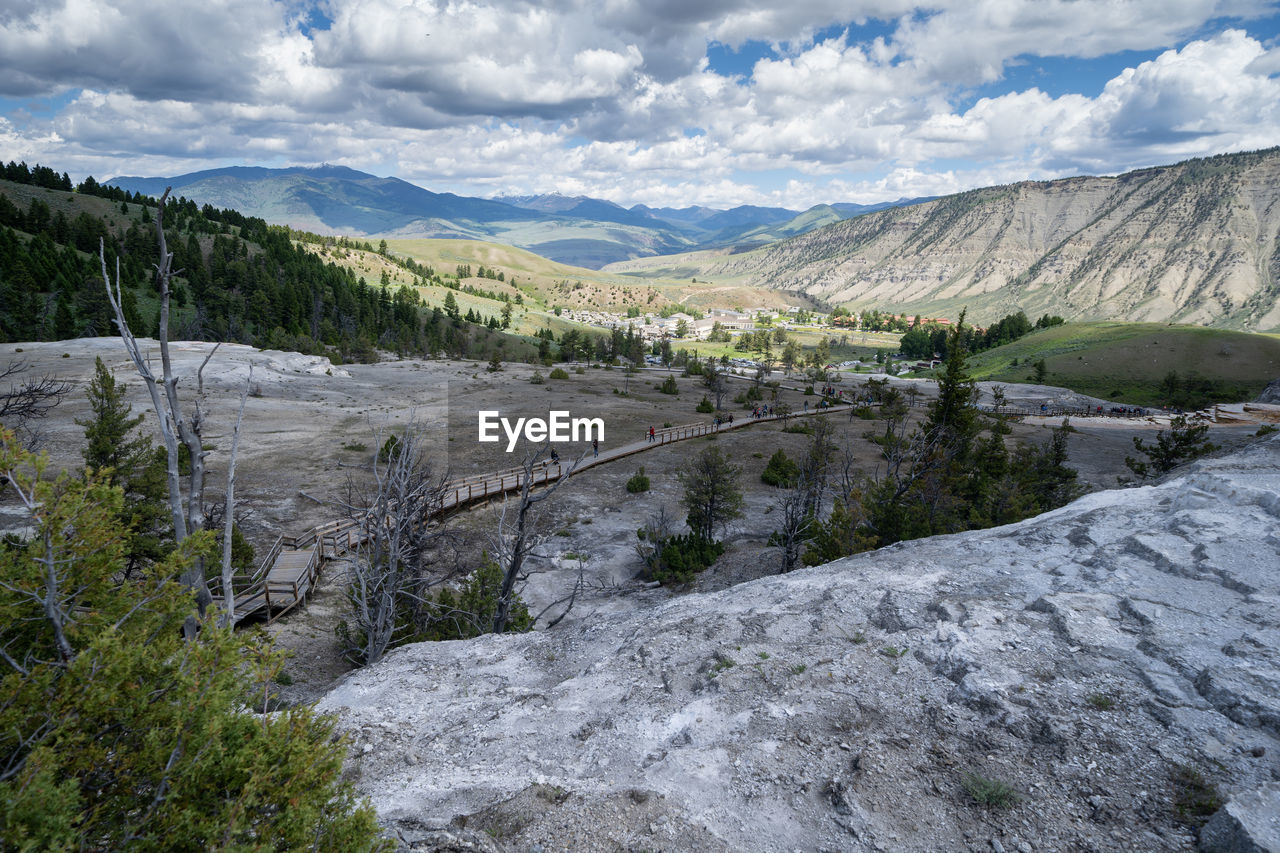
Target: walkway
{"x":290,"y":569}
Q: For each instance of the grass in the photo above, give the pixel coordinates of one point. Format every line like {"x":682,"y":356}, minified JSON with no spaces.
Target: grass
{"x":1127,"y":361}
{"x":1101,"y":702}
{"x":1195,"y":798}
{"x":989,"y":793}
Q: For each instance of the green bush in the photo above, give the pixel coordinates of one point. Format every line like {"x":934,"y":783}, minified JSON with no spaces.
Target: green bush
{"x":120,"y":734}
{"x":389,"y":448}
{"x":780,"y":471}
{"x":705,"y":406}
{"x":1195,"y":798}
{"x":638,"y":483}
{"x":536,"y":379}
{"x":559,"y":373}
{"x":989,"y":793}
{"x":677,"y":559}
{"x":470,"y":611}
{"x":669,"y":386}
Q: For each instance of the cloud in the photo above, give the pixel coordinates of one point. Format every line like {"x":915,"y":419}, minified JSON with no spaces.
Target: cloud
{"x":616,"y":98}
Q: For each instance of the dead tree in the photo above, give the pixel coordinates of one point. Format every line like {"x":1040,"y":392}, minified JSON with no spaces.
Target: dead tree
{"x":514,"y":537}
{"x":187,"y":511}
{"x":228,"y":590}
{"x":398,"y":510}
{"x":29,"y":398}
{"x":801,"y":505}
{"x":658,"y":528}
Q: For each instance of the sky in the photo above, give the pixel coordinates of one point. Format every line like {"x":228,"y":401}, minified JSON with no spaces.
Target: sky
{"x":660,"y":102}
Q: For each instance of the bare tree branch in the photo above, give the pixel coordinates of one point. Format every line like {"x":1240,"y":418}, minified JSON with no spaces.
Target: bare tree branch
{"x":513,"y":541}
{"x":228,"y":590}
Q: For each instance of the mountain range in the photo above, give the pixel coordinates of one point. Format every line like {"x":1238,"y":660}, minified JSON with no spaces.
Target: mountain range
{"x":581,"y":231}
{"x":1197,"y":242}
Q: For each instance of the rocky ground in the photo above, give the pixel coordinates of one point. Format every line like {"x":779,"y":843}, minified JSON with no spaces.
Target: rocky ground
{"x":1081,"y":659}
{"x":1059,"y":684}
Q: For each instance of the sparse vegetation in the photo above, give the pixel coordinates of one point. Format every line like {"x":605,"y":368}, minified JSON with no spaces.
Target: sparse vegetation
{"x":1101,"y":702}
{"x":638,"y":482}
{"x":559,"y":373}
{"x":1195,"y":798}
{"x":780,"y":471}
{"x":989,"y":793}
{"x":1183,"y":442}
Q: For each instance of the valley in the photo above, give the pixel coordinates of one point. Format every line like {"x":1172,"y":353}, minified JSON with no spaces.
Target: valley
{"x":1025,"y":681}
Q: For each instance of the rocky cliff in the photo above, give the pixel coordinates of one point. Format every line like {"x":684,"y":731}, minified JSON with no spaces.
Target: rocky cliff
{"x":1099,"y":661}
{"x":1194,"y":243}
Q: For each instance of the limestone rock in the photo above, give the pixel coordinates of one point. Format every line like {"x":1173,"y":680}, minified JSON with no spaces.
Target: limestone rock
{"x":1078,"y":658}
{"x":1248,"y":823}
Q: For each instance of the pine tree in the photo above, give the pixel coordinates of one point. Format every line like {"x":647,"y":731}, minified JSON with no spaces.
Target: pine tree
{"x":711,"y":492}
{"x":129,"y":461}
{"x":115,"y":732}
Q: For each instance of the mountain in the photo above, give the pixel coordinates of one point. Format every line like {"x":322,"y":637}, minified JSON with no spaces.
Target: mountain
{"x":575,"y":230}
{"x":330,"y":199}
{"x":1196,"y":242}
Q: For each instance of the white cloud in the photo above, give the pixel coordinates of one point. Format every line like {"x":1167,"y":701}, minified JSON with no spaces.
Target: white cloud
{"x":617,"y":100}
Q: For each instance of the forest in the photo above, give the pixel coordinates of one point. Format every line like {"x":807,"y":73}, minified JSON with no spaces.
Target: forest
{"x":240,"y":280}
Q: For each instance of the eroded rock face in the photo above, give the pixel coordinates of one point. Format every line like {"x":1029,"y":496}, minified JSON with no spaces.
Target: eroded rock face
{"x":1080,"y":657}
{"x":1270,"y":394}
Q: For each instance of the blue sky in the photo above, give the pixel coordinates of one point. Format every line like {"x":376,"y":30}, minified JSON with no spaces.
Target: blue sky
{"x":642,"y":101}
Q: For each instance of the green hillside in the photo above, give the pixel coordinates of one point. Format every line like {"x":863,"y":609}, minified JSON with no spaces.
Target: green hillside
{"x":1130,"y":361}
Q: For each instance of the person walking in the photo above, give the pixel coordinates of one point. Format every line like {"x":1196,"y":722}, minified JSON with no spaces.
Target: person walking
{"x":651,"y":433}
{"x":595,"y":447}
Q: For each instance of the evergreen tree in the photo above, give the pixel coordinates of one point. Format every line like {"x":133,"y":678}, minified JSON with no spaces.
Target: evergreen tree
{"x":711,"y":492}
{"x":115,"y":732}
{"x":129,"y":461}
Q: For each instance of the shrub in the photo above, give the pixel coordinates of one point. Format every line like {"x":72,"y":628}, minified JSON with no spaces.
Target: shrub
{"x":1195,"y":798}
{"x":705,"y":406}
{"x":1182,"y":443}
{"x":536,"y":379}
{"x":780,"y":471}
{"x":119,"y":733}
{"x":1265,"y":429}
{"x":989,"y":793}
{"x":580,"y":370}
{"x":469,"y":612}
{"x":676,"y":559}
{"x":669,"y":386}
{"x":389,"y":448}
{"x":638,"y":483}
{"x":559,"y":373}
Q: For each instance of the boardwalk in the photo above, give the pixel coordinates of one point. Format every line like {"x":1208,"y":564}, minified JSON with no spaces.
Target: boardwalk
{"x":289,"y":571}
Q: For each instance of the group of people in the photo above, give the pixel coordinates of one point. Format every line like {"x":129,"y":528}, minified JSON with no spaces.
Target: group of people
{"x":762,"y":411}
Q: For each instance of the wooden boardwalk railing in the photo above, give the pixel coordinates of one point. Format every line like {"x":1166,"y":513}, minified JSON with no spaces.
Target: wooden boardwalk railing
{"x":288,"y":572}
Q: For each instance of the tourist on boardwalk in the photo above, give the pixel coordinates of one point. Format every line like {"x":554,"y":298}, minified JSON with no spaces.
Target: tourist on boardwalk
{"x":651,"y":433}
{"x":595,"y":447}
